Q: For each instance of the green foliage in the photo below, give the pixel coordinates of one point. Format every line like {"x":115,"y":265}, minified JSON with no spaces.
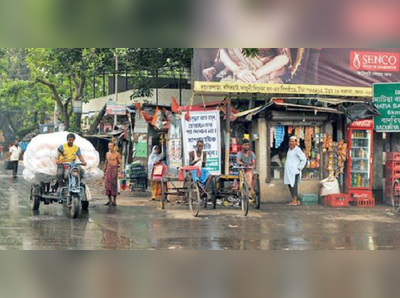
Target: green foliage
{"x":34,"y":80}
{"x":147,"y":62}
{"x":22,"y":104}
{"x":250,"y":52}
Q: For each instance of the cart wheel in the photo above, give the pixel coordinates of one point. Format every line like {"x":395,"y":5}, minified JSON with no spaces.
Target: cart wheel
{"x":214,"y":193}
{"x":85,"y":206}
{"x":35,"y":201}
{"x":164,"y":195}
{"x":257,"y":193}
{"x":244,"y":197}
{"x":194,"y":199}
{"x":75,"y":207}
{"x":396,"y":196}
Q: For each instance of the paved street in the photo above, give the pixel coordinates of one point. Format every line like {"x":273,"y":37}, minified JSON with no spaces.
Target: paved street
{"x":138,"y":224}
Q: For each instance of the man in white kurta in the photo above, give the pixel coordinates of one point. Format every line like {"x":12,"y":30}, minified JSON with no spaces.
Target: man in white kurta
{"x":295,"y":162}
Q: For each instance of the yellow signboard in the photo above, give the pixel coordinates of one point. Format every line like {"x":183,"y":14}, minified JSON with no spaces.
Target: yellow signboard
{"x":214,"y":87}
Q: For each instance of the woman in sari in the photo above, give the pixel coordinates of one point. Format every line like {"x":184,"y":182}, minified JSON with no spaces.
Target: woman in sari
{"x":154,"y":159}
{"x":270,"y":65}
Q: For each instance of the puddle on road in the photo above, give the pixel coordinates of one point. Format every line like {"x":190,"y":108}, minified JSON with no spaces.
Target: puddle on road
{"x":363,"y":217}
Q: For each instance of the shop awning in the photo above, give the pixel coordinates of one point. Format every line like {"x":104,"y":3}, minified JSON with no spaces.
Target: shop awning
{"x":310,"y":108}
{"x":289,"y":107}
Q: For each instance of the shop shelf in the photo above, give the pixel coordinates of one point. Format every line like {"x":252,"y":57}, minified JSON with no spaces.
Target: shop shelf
{"x":337,"y":200}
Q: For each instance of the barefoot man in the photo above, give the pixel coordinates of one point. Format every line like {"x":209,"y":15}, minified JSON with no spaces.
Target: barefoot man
{"x":113,"y":160}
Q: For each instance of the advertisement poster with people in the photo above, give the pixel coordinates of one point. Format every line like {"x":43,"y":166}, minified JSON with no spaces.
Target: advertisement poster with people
{"x":320,"y":71}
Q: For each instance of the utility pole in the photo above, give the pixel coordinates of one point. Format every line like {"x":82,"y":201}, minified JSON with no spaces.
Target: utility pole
{"x":227,"y":134}
{"x":116,"y":87}
{"x":55,"y":117}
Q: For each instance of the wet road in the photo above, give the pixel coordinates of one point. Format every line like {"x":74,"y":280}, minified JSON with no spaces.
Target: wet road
{"x":143,"y":226}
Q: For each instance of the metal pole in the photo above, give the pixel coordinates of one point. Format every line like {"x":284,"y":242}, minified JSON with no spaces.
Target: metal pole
{"x":116,"y":88}
{"x":227,"y":135}
{"x":157,"y":86}
{"x":180,"y":88}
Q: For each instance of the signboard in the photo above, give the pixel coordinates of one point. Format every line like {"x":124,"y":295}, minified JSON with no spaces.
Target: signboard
{"x":319,"y":71}
{"x":115,"y":108}
{"x":77,"y":107}
{"x":175,"y":145}
{"x":387,"y":101}
{"x":175,"y":153}
{"x":141,"y":126}
{"x":203,"y":126}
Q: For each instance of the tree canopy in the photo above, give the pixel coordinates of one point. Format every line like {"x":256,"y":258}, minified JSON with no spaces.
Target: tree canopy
{"x":35,"y":80}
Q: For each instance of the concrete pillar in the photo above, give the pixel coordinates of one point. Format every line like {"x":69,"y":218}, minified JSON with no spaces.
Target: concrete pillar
{"x":378,"y":166}
{"x":262,"y":158}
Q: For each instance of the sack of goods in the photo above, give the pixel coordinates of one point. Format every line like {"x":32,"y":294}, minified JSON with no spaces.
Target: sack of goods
{"x":41,"y":155}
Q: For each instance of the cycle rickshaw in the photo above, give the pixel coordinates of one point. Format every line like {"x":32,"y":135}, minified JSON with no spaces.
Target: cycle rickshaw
{"x":184,"y":186}
{"x":240,"y":189}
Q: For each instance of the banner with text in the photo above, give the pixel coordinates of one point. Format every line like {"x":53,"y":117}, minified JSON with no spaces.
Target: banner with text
{"x":387,"y":101}
{"x":320,"y":71}
{"x":203,"y":126}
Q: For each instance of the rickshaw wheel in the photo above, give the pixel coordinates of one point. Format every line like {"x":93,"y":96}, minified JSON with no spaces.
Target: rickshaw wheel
{"x":245,"y":195}
{"x":35,"y":201}
{"x":194,"y":199}
{"x":257,"y":193}
{"x":164,"y":195}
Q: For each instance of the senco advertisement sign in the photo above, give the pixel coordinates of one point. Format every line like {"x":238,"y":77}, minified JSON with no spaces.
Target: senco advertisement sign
{"x":374,"y":61}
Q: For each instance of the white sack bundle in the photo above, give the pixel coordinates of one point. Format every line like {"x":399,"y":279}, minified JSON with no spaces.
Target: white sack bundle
{"x":41,"y":154}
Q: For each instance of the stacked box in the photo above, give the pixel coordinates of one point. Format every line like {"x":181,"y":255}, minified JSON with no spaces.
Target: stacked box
{"x":309,"y":199}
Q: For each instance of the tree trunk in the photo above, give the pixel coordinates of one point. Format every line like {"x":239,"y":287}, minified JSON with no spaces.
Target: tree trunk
{"x":99,"y":117}
{"x":65,"y":119}
{"x":77,"y":120}
{"x":57,"y":98}
{"x":79,"y":86}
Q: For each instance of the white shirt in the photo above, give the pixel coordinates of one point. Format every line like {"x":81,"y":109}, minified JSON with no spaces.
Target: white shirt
{"x":295,"y":162}
{"x":14,"y":153}
{"x":200,"y":162}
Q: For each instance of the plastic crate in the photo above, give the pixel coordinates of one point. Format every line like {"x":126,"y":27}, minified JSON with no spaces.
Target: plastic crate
{"x":309,"y":199}
{"x":365,"y":203}
{"x":393,"y":156}
{"x":393,"y":165}
{"x":337,"y":200}
{"x":354,"y":195}
{"x":392,"y":174}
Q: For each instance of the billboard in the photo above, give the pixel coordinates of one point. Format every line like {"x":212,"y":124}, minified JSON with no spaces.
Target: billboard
{"x":320,"y":71}
{"x":387,"y":101}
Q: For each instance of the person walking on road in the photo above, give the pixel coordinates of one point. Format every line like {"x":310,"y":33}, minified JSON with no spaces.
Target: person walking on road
{"x":113,"y":160}
{"x":295,"y":162}
{"x":1,"y":151}
{"x":15,"y":154}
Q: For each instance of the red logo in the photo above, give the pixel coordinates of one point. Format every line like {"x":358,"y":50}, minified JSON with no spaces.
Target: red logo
{"x":374,"y":61}
{"x":363,"y":123}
